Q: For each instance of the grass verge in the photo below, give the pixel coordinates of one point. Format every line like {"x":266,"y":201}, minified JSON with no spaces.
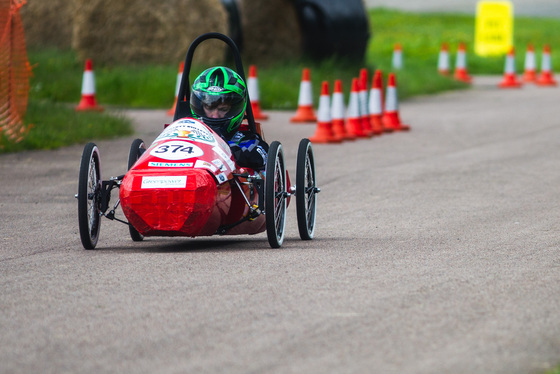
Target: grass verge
{"x":56,"y":125}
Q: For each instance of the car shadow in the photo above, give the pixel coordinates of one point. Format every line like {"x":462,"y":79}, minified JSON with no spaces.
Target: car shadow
{"x":206,"y":244}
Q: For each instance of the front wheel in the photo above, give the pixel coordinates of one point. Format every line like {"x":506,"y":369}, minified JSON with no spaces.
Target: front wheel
{"x":89,"y":196}
{"x":306,"y":190}
{"x":275,"y":195}
{"x":137,"y":149}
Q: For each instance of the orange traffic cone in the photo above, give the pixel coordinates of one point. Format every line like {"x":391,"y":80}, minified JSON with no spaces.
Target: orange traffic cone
{"x":375,"y":103}
{"x":338,"y":113}
{"x":443,"y":60}
{"x":353,"y":120}
{"x":530,"y":74}
{"x":391,"y":115}
{"x":324,"y":132}
{"x":254,"y":94}
{"x":461,"y":73}
{"x":397,"y":60}
{"x":546,"y":78}
{"x":171,"y":111}
{"x":510,"y":76}
{"x":363,"y":99}
{"x":88,"y":101}
{"x":305,"y":111}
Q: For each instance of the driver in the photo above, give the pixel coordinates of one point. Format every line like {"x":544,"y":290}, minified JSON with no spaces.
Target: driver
{"x":219,"y":99}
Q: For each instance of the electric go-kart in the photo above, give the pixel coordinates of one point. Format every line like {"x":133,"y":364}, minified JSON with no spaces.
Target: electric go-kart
{"x":186,"y":183}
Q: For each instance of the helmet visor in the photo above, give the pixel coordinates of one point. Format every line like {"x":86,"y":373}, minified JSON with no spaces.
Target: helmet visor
{"x":216,"y":105}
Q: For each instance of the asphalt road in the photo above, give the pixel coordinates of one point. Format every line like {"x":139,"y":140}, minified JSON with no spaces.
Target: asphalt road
{"x":436,"y":251}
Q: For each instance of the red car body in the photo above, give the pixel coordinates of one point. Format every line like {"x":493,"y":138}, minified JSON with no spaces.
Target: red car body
{"x":184,"y":185}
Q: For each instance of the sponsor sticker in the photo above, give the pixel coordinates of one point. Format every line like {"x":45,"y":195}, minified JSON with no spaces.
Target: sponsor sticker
{"x":170,"y":164}
{"x":221,"y":178}
{"x":205,"y":165}
{"x":188,"y":129}
{"x":219,"y":164}
{"x":179,"y":181}
{"x":185,"y":120}
{"x":220,"y":152}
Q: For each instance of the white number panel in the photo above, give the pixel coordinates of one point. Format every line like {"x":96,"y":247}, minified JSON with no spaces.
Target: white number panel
{"x":176,"y":150}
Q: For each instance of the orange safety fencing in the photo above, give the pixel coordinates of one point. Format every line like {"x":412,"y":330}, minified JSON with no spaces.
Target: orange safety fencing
{"x":14,"y":72}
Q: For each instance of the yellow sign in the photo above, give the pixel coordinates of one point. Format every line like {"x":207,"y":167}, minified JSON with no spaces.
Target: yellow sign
{"x":493,"y":28}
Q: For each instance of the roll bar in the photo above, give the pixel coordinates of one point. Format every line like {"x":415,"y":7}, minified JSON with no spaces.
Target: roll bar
{"x":183,"y":108}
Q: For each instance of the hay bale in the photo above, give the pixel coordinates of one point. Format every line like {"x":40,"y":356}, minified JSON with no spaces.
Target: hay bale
{"x":48,"y":23}
{"x":271,"y":31}
{"x":146,"y":31}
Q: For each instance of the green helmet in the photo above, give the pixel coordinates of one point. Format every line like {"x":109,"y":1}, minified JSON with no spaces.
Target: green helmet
{"x":219,"y":99}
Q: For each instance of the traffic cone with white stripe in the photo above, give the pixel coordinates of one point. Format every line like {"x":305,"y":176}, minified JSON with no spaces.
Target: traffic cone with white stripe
{"x":530,"y":75}
{"x":375,"y":103}
{"x":461,"y":73}
{"x":338,"y":113}
{"x":510,"y":76}
{"x":363,"y":96}
{"x":324,"y":132}
{"x":546,"y":78}
{"x":353,"y":120}
{"x":443,"y":60}
{"x":397,"y":60}
{"x":88,"y":101}
{"x":391,"y":115}
{"x":305,"y":112}
{"x":254,"y":93}
{"x":171,"y":111}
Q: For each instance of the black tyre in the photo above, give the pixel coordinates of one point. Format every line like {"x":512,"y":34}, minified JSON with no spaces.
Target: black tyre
{"x":306,"y":190}
{"x":137,"y":148}
{"x":275,"y":195}
{"x":89,"y":196}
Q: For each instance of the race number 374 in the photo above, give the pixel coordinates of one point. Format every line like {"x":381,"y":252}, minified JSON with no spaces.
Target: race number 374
{"x":176,"y":150}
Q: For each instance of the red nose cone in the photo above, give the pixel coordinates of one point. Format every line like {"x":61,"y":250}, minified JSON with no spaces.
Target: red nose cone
{"x":182,"y":204}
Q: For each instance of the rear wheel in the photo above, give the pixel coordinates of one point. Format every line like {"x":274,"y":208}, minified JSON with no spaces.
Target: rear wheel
{"x":306,"y":190}
{"x":137,"y":148}
{"x":89,"y":196}
{"x":275,"y":195}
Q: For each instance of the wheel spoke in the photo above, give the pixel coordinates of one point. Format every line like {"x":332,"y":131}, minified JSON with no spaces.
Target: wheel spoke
{"x":310,"y":215}
{"x":309,"y":193}
{"x":91,"y":202}
{"x":279,"y":217}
